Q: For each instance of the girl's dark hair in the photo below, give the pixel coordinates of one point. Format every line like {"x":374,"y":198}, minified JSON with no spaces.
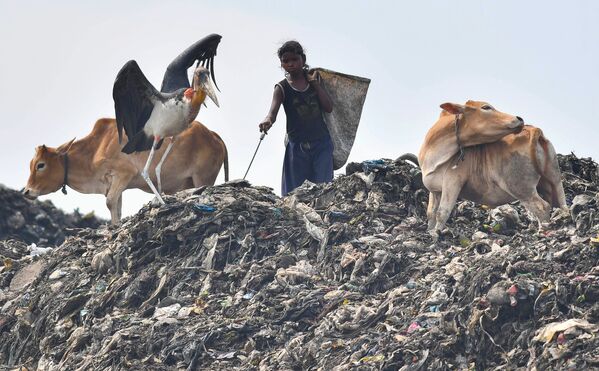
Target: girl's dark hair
{"x":293,"y":46}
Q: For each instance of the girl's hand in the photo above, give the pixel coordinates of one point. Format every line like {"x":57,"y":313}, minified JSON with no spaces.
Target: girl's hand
{"x":265,"y":126}
{"x":313,"y":77}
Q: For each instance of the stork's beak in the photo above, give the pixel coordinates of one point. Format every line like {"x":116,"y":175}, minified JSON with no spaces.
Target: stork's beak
{"x":202,"y":81}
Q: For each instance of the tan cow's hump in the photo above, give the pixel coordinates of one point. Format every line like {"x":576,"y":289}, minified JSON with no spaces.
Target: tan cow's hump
{"x":521,"y":141}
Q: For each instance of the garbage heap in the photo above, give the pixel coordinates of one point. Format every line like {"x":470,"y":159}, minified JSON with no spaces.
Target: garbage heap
{"x":333,"y":277}
{"x":27,"y":224}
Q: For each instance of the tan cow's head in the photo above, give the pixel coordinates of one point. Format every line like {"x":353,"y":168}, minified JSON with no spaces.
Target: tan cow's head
{"x":46,"y":170}
{"x":481,"y":123}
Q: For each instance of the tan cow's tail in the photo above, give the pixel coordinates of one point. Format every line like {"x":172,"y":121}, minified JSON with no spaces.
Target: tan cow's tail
{"x":537,"y":138}
{"x":550,"y":186}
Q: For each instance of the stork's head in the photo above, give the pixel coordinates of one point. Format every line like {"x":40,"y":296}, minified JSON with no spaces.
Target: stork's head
{"x":201,"y":86}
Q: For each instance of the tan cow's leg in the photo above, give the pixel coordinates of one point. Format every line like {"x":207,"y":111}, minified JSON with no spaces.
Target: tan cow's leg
{"x":552,"y":191}
{"x":559,"y":196}
{"x":550,"y":186}
{"x":431,"y":211}
{"x":539,"y":207}
{"x":452,"y":185}
{"x":551,"y":180}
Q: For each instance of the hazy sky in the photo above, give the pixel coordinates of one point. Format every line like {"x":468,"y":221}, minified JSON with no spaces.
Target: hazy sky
{"x":535,"y":59}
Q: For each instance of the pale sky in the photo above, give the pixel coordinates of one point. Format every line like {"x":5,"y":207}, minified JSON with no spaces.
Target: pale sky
{"x":535,"y":59}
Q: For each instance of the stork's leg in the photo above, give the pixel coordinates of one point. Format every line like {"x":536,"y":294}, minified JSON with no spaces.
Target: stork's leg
{"x":159,"y":167}
{"x":146,"y":169}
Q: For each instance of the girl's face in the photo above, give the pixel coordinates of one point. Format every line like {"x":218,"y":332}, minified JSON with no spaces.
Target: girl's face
{"x":292,"y":62}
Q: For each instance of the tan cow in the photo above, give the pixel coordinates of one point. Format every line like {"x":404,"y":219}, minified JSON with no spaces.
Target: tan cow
{"x":480,"y":154}
{"x":95,"y":164}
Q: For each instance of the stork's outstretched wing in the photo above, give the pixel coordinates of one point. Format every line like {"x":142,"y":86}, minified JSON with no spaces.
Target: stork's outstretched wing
{"x":134,"y":99}
{"x":202,"y":51}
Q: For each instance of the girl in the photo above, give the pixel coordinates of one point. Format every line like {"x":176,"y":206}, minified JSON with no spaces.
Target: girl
{"x":309,"y":151}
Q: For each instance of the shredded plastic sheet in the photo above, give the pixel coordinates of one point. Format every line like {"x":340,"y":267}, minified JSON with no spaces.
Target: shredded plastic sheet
{"x":547,"y":333}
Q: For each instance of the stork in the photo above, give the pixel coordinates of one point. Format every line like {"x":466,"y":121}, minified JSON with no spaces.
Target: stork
{"x":148,"y":116}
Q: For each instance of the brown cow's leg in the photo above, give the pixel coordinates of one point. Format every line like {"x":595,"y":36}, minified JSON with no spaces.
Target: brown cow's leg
{"x":114,"y":196}
{"x":206,"y":171}
{"x":203,"y":179}
{"x":431,"y":211}
{"x":119,"y":208}
{"x":112,"y":202}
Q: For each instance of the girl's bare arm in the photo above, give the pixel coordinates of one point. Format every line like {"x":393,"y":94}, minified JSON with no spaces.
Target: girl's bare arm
{"x":277,"y":100}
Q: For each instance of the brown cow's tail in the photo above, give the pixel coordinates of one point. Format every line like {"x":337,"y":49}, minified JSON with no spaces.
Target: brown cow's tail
{"x":226,"y":163}
{"x":226,"y":160}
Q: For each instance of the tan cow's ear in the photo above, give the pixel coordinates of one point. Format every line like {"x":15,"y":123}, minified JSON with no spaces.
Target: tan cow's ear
{"x":453,"y":108}
{"x":64,"y":148}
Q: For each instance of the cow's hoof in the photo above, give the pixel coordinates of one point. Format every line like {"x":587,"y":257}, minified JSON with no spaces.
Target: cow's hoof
{"x":447,"y":233}
{"x":434,"y":234}
{"x":562,"y":213}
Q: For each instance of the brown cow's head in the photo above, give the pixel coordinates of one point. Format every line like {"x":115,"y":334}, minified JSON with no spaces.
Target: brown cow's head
{"x":46,"y":170}
{"x":481,"y":123}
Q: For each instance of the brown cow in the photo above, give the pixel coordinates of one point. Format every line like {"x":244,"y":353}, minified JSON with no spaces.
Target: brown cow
{"x":480,"y":154}
{"x":95,"y":164}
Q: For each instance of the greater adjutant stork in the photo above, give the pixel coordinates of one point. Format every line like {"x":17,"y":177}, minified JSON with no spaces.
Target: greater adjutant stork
{"x":148,"y":116}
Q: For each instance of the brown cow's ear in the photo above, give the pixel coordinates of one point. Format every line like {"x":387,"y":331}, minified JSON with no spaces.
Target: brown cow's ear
{"x":453,"y":108}
{"x":62,"y":149}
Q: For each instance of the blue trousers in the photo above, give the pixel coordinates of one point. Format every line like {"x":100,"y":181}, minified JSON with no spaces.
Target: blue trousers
{"x":311,"y":161}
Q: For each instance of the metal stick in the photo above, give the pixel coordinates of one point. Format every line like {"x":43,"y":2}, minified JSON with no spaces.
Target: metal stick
{"x":256,"y":151}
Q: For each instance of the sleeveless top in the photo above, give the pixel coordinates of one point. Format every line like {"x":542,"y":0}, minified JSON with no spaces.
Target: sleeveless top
{"x":305,"y":122}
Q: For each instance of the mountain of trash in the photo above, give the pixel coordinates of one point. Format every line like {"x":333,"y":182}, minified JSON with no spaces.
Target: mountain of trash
{"x":333,"y":277}
{"x":38,"y":222}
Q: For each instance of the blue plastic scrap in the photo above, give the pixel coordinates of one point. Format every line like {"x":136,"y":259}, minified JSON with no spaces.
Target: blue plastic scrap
{"x":204,"y":208}
{"x":277,"y":211}
{"x":370,"y":165}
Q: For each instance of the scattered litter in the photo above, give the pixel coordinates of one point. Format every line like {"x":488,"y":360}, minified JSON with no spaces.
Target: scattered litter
{"x":35,"y":250}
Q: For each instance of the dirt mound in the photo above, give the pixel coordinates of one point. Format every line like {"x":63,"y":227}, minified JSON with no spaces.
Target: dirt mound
{"x":335,"y":276}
